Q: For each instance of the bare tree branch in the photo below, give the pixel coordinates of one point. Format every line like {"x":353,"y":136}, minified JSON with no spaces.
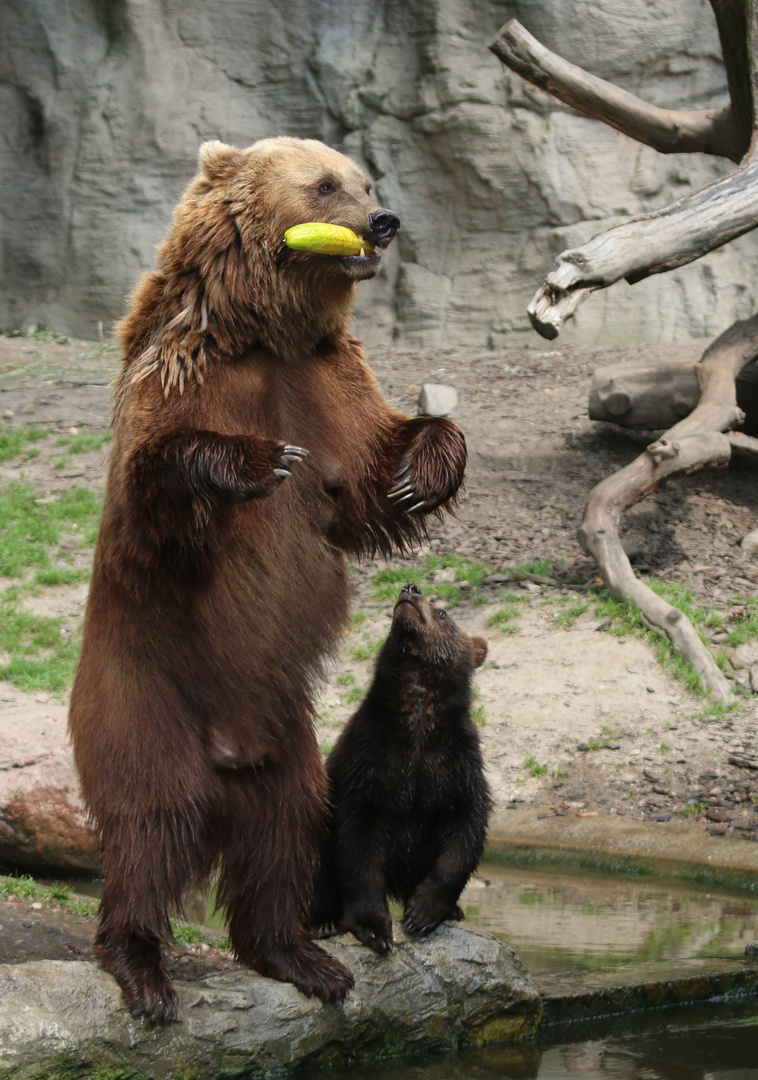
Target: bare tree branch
{"x":696,"y":441}
{"x":669,"y":131}
{"x":660,"y":241}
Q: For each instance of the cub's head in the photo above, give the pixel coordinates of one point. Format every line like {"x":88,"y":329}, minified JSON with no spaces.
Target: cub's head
{"x":277,"y":183}
{"x":427,"y":631}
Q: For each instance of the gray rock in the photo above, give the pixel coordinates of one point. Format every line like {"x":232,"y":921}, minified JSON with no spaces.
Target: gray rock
{"x":455,"y":986}
{"x":104,"y":106}
{"x":436,"y":399}
{"x":749,"y":543}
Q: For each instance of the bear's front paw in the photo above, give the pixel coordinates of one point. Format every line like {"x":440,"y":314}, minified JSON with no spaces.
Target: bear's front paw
{"x":268,"y":464}
{"x":431,"y":470}
{"x":374,"y":930}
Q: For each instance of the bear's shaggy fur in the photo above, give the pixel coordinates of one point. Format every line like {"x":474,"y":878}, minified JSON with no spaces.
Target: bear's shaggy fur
{"x":409,"y":796}
{"x":219,"y":581}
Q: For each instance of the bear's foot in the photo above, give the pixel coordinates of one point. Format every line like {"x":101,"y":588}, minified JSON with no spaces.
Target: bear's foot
{"x":424,"y":913}
{"x":138,"y":967}
{"x":310,"y":969}
{"x":374,"y":930}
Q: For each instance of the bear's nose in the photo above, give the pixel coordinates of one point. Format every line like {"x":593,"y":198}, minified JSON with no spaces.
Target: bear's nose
{"x":412,"y":590}
{"x":384,"y":224}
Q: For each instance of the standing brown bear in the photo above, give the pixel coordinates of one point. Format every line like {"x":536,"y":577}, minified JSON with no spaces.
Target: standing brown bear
{"x":409,"y":795}
{"x":219,"y":579}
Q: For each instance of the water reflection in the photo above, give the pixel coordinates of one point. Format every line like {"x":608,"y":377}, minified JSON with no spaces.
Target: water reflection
{"x":716,"y":1052}
{"x":577,"y":920}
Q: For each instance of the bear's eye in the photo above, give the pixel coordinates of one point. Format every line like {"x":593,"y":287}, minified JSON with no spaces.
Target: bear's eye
{"x":327,"y":187}
{"x":441,"y":614}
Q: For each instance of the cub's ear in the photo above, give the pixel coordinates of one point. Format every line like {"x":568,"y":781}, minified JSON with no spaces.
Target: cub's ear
{"x":217,"y":160}
{"x":478,"y":650}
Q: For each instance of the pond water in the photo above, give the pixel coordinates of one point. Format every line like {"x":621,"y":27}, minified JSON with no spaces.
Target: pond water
{"x":720,"y":1051}
{"x":574,"y":920}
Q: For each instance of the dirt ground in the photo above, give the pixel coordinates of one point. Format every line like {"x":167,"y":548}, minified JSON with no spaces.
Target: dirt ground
{"x":574,"y":717}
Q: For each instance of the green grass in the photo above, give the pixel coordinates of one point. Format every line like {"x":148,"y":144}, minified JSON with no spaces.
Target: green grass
{"x":38,"y":652}
{"x":20,"y":440}
{"x":345,"y":678}
{"x":187,"y":933}
{"x":84,"y":441}
{"x":354,"y":695}
{"x":368,"y":651}
{"x":31,"y":524}
{"x":26,"y":888}
{"x":571,"y":613}
{"x":501,"y":619}
{"x":536,"y":768}
{"x":478,"y":715}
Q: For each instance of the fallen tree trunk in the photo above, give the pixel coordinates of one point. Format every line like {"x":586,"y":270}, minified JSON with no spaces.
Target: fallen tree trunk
{"x":693,"y":443}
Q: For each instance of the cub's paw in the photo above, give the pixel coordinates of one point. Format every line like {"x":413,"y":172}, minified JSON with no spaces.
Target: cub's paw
{"x":425,"y":912}
{"x":374,"y":930}
{"x":431,"y":469}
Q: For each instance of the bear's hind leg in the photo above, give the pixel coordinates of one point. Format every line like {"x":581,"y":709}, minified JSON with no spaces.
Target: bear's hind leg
{"x":149,"y":866}
{"x":266,"y":878}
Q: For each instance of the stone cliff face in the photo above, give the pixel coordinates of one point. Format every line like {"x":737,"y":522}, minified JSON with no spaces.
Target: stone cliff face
{"x":103,"y":104}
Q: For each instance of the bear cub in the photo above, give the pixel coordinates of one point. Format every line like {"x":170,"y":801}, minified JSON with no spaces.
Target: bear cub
{"x":410,"y":802}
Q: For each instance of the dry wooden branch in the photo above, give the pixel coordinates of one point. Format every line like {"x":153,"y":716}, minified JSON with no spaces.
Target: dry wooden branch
{"x":653,"y":244}
{"x":685,"y":230}
{"x":671,"y":131}
{"x":694,"y":442}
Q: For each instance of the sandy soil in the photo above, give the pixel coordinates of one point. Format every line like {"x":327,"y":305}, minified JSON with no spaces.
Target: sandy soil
{"x":617,"y":733}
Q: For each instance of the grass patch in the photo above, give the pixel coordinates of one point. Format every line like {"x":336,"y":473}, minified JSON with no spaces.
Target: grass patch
{"x":501,"y":619}
{"x":368,"y":651}
{"x":20,"y":440}
{"x":84,"y":441}
{"x":354,"y":695}
{"x":536,"y":768}
{"x":478,"y":715}
{"x":571,"y":613}
{"x":26,"y":888}
{"x":345,"y":678}
{"x":31,"y":524}
{"x":40,"y":655}
{"x":40,"y":652}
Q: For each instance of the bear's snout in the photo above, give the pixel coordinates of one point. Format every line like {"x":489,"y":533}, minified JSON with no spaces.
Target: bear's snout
{"x":384,"y":224}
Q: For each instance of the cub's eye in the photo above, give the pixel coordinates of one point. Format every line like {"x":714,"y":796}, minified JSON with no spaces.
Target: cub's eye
{"x":441,"y":614}
{"x":327,"y":188}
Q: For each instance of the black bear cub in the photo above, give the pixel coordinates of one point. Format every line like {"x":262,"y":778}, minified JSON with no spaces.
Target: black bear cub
{"x":410,"y":800}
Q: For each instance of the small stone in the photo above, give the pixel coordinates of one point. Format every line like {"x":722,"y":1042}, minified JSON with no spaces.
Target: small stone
{"x":749,"y":543}
{"x":650,"y":689}
{"x":751,"y":949}
{"x":664,"y":817}
{"x":36,"y":906}
{"x":8,"y":414}
{"x":717,"y":830}
{"x":753,"y":677}
{"x":436,"y":399}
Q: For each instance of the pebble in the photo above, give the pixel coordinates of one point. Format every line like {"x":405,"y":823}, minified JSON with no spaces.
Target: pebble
{"x":436,"y":399}
{"x":749,"y":543}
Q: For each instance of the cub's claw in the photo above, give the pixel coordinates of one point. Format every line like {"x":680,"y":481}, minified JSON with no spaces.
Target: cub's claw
{"x":400,"y":489}
{"x":293,"y":453}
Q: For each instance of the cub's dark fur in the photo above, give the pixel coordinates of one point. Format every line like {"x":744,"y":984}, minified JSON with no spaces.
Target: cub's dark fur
{"x":410,"y":800}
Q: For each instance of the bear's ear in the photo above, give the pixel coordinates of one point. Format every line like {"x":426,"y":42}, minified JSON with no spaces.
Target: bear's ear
{"x":217,"y":160}
{"x":478,"y":650}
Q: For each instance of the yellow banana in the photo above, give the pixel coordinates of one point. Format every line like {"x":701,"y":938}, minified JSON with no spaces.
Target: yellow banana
{"x":322,"y":239}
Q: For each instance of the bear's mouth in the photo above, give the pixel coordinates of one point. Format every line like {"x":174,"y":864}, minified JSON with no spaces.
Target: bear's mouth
{"x":359,"y":267}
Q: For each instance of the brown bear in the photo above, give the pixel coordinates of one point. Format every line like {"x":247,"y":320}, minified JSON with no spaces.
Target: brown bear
{"x":252,"y":450}
{"x":410,"y":802}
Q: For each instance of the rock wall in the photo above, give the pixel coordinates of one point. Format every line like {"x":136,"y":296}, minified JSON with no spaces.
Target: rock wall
{"x":104,"y":103}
